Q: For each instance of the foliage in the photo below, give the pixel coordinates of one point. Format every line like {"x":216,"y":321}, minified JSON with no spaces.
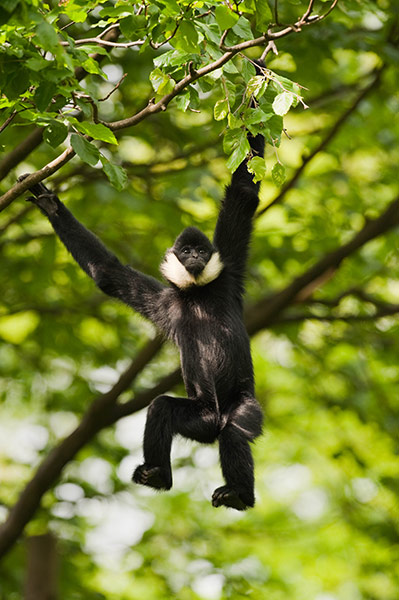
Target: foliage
{"x":139,"y":110}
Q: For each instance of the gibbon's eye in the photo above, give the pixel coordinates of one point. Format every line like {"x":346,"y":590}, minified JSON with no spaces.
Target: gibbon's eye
{"x":186,"y":250}
{"x":202,"y":251}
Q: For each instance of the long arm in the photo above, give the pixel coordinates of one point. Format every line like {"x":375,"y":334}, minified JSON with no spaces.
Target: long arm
{"x":234,"y":225}
{"x":132,"y":287}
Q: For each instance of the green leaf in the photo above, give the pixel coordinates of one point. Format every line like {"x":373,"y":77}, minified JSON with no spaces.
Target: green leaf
{"x":46,"y":36}
{"x":287,"y":84}
{"x":85,"y":150}
{"x":183,"y":101}
{"x":211,"y":32}
{"x":275,"y":124}
{"x":257,"y":167}
{"x":238,"y":155}
{"x":221,"y":110}
{"x":186,"y":38}
{"x":225,"y":17}
{"x":91,"y":66}
{"x":161,"y":82}
{"x":98,"y":131}
{"x":256,"y":86}
{"x":10,"y":5}
{"x":243,"y":29}
{"x":263,"y":15}
{"x":116,"y":174}
{"x":55,"y":133}
{"x":44,"y":94}
{"x":194,"y":98}
{"x":233,"y":138}
{"x":174,"y":58}
{"x":75,"y":12}
{"x":248,"y":70}
{"x":133,"y":26}
{"x":171,"y":7}
{"x":256,"y":115}
{"x":36,"y":63}
{"x":234,"y":122}
{"x":282,"y":103}
{"x":278,"y":174}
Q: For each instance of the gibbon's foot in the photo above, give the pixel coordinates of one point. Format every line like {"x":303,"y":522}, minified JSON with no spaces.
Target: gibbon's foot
{"x":226,"y":496}
{"x":152,"y":476}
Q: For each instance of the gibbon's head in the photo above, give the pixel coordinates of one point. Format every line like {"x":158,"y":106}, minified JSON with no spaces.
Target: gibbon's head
{"x":192,"y":260}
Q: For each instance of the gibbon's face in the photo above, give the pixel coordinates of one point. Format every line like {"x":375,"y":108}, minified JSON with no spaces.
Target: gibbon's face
{"x":193,"y":260}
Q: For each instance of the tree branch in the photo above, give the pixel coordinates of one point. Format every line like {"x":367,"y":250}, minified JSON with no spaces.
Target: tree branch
{"x":35,"y":138}
{"x":46,"y":171}
{"x":151,"y":108}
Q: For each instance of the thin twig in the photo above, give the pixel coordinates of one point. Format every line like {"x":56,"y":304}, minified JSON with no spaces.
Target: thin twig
{"x":100,"y":41}
{"x":114,"y":88}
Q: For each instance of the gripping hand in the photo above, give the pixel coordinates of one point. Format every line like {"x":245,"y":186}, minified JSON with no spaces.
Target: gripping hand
{"x":46,"y":200}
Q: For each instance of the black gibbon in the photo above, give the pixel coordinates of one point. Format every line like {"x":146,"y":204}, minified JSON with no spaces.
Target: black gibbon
{"x":201,"y":311}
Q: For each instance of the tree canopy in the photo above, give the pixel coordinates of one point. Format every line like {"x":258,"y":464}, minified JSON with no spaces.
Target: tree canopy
{"x":138,"y":112}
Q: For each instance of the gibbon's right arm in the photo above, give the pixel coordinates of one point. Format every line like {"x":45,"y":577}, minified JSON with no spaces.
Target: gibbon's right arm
{"x":139,"y":291}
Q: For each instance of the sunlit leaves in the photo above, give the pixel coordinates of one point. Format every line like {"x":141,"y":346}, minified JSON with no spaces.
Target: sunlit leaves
{"x":221,"y":109}
{"x":161,"y":83}
{"x":282,"y":103}
{"x":256,"y":86}
{"x":225,"y":17}
{"x":237,"y":144}
{"x":278,"y":174}
{"x":75,"y":11}
{"x":98,"y":131}
{"x":257,"y":167}
{"x":186,"y":37}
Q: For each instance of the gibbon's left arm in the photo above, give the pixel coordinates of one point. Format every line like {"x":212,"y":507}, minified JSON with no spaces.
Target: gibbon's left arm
{"x":234,"y":225}
{"x":132,"y":287}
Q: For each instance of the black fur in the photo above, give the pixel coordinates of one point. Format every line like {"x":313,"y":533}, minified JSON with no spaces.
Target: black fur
{"x":206,"y":324}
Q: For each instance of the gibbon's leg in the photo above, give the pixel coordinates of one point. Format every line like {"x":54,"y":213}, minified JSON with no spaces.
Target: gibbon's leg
{"x":194,"y":419}
{"x":244,"y":424}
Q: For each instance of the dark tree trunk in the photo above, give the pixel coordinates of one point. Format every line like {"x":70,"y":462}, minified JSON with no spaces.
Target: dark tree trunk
{"x":41,"y":576}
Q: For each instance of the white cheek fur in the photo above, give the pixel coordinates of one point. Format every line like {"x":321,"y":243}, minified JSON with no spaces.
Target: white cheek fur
{"x":172,"y":269}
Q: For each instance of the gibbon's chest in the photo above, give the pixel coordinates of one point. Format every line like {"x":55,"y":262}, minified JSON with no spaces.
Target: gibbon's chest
{"x":201,"y":317}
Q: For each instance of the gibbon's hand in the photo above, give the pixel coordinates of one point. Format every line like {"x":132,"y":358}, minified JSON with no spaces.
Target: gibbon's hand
{"x":43,"y":198}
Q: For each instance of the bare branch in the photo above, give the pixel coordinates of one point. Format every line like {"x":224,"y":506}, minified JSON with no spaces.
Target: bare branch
{"x":101,"y":42}
{"x":308,"y":11}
